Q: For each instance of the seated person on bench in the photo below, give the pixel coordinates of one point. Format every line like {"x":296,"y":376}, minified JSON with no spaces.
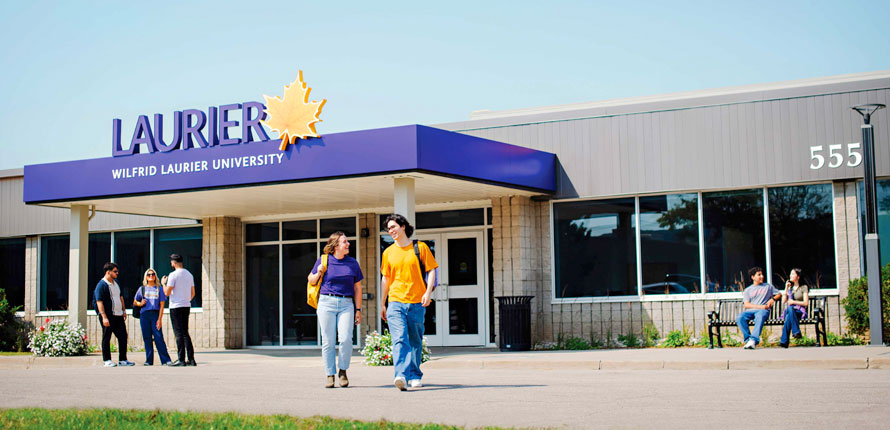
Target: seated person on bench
{"x":759,"y":298}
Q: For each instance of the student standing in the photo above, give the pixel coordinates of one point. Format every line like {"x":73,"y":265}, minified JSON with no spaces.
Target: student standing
{"x":113,"y":316}
{"x":408,"y":295}
{"x":151,"y":299}
{"x":339,"y":305}
{"x":179,"y":287}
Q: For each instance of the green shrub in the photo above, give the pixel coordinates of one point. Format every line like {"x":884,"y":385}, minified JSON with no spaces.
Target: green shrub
{"x":571,"y":343}
{"x":766,"y":338}
{"x":804,"y":341}
{"x":677,"y":338}
{"x":856,"y":304}
{"x":845,"y":340}
{"x":629,"y":340}
{"x":650,"y":335}
{"x":58,"y":338}
{"x":11,"y":328}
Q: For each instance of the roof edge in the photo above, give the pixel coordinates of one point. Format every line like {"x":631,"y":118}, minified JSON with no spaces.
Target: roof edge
{"x":679,"y":100}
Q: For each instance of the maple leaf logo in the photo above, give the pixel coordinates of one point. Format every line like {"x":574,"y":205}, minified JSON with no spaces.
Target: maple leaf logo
{"x":293,"y":117}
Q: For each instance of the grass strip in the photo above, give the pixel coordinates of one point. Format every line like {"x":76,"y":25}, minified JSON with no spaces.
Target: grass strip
{"x":120,"y":419}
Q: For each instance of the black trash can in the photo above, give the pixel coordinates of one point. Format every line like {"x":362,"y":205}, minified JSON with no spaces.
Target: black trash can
{"x":515,"y":331}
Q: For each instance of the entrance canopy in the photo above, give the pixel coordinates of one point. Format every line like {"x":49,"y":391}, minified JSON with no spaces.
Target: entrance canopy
{"x":351,"y":170}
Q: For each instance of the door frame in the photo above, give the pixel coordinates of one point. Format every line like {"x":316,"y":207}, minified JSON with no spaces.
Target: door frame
{"x":485,"y":308}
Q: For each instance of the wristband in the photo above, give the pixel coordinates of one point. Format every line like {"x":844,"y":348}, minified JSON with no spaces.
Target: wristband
{"x":358,"y":310}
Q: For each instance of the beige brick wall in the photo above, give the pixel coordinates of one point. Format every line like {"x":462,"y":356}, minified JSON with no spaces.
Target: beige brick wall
{"x":369,"y":248}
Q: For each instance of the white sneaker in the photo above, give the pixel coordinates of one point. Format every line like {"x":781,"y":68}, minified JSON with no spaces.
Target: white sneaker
{"x":750,"y":344}
{"x":415,"y":383}
{"x":110,"y":363}
{"x":400,"y":383}
{"x":126,"y":363}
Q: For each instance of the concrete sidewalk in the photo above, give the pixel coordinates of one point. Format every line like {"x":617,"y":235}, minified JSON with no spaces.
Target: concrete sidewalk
{"x":825,"y":358}
{"x":628,"y":389}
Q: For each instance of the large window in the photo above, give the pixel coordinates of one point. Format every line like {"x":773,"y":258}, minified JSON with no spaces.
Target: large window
{"x":262,"y":295}
{"x":12,"y":271}
{"x":734,"y":237}
{"x":669,"y":248}
{"x":186,"y":242}
{"x":695,"y":243}
{"x":882,"y":190}
{"x":801,"y":230}
{"x":54,"y":273}
{"x":132,"y":255}
{"x":594,"y":246}
{"x":279,"y":255}
{"x":99,"y":254}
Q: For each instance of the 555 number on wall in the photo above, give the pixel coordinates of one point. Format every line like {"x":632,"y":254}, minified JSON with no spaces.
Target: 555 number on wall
{"x":835,"y":156}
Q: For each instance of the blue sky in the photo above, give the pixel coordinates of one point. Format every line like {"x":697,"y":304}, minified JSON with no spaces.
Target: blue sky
{"x":70,"y":68}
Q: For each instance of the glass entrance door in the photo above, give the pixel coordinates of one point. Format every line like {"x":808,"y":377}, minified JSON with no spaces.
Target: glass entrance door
{"x":456,"y":316}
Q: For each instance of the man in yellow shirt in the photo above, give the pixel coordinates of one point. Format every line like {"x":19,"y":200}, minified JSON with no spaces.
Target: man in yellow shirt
{"x":408,"y":295}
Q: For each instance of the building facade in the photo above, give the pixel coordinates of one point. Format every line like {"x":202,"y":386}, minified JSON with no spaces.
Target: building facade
{"x":614,"y":215}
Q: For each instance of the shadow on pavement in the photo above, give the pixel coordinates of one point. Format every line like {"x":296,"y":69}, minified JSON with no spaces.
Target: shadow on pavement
{"x":435,"y":387}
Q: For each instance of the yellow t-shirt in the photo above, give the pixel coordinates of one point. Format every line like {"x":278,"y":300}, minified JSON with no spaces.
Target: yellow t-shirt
{"x":400,"y":267}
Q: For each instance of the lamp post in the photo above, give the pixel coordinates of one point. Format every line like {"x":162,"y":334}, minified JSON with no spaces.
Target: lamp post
{"x":872,"y":243}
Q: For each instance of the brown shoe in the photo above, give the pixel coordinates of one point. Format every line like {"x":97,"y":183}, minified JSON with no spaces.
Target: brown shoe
{"x":330,"y":383}
{"x":344,"y":381}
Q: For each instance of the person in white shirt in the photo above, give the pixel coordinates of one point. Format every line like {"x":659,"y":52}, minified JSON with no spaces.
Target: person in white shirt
{"x":113,"y":315}
{"x":179,"y":287}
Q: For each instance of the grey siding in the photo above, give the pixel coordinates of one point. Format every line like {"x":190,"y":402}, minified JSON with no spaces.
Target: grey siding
{"x":748,"y":144}
{"x":19,"y":219}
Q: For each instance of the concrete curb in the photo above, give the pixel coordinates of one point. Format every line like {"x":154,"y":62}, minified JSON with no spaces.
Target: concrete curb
{"x":841,"y":358}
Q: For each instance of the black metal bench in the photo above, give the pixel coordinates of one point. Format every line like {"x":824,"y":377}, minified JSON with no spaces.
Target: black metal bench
{"x":728,"y":311}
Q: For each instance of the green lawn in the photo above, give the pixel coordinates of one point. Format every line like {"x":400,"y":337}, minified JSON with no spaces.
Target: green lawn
{"x":4,"y":353}
{"x":92,"y":419}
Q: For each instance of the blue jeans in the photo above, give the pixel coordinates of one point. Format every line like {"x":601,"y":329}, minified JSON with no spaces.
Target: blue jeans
{"x":336,"y":316}
{"x":148,"y":320}
{"x":792,"y":323}
{"x":406,"y":327}
{"x":759,"y":316}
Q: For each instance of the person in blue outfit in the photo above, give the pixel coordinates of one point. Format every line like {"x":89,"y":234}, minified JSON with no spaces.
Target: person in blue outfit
{"x":339,"y":305}
{"x":151,"y":299}
{"x":796,"y":297}
{"x":113,"y":316}
{"x":759,"y":298}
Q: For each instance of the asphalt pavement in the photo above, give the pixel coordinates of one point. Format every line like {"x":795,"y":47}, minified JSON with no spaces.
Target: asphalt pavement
{"x":832,"y":387}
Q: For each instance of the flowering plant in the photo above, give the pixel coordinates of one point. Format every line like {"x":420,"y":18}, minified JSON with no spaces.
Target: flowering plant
{"x":58,"y":339}
{"x":378,"y":349}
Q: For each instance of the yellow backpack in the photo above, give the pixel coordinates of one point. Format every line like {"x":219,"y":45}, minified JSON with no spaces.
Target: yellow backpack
{"x":312,"y":290}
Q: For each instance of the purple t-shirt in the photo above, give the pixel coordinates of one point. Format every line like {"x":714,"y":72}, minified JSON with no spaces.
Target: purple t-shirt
{"x":153,"y":297}
{"x":341,"y":275}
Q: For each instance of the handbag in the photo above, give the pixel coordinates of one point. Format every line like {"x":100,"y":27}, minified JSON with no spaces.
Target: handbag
{"x":313,"y":290}
{"x":137,"y":310}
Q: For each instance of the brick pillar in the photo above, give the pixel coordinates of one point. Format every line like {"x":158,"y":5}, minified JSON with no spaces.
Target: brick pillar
{"x":32,"y":288}
{"x":222,"y":323}
{"x":518,"y":254}
{"x":370,"y":247}
{"x":846,"y":230}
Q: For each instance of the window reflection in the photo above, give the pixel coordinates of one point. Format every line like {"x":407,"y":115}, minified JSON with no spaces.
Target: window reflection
{"x":669,"y":244}
{"x":734,"y":237}
{"x":595,"y":248}
{"x":802,"y":234}
{"x":882,"y":191}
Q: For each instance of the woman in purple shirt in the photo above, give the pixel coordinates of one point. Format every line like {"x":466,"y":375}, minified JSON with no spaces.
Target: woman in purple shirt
{"x":339,"y":305}
{"x":151,"y":298}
